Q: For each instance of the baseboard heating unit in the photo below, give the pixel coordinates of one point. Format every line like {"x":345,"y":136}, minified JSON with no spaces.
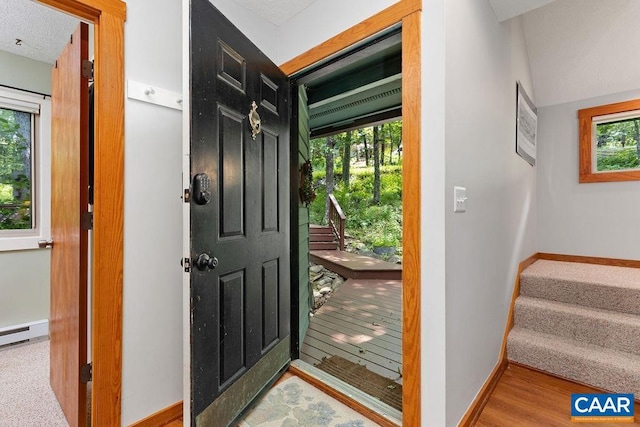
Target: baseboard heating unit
{"x":27,"y":331}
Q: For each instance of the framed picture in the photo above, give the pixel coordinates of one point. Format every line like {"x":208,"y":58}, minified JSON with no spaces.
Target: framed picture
{"x":526,"y":126}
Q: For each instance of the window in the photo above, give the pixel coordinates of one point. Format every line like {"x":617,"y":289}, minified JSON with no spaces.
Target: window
{"x":24,"y":169}
{"x":610,"y":142}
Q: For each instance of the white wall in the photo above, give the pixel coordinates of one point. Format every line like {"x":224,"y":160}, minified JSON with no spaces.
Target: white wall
{"x":24,"y":286}
{"x":24,"y":73}
{"x":152,"y":308}
{"x":583,"y":48}
{"x":321,"y":21}
{"x":24,"y":277}
{"x":484,"y":245}
{"x":599,"y":219}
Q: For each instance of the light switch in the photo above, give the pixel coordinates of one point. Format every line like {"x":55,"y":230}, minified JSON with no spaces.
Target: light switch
{"x":459,"y":199}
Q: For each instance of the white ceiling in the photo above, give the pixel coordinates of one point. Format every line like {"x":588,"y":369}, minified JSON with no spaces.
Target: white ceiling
{"x":43,"y":31}
{"x":581,"y":49}
{"x":275,"y":11}
{"x":507,"y":9}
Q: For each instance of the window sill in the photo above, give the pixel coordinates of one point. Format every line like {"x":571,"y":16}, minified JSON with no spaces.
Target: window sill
{"x":20,"y":242}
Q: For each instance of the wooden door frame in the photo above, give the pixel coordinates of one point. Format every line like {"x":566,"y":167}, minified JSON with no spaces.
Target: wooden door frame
{"x":409,"y":13}
{"x":108,"y":18}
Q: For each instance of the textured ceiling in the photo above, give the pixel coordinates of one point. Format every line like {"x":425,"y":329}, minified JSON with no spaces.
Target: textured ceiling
{"x":275,"y":11}
{"x":43,"y":31}
{"x":581,"y":49}
{"x":507,"y":9}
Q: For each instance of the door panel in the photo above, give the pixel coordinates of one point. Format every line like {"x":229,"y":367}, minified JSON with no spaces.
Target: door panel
{"x":69,"y":198}
{"x":240,"y":280}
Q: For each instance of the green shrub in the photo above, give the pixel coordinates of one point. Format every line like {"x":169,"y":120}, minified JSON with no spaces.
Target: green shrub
{"x":375,"y":225}
{"x":610,"y":159}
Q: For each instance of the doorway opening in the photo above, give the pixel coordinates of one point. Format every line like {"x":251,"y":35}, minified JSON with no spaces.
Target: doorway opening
{"x":350,"y":235}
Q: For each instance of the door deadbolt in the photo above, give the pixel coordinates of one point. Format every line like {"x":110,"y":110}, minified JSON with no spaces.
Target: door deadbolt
{"x":201,"y":193}
{"x":205,"y":261}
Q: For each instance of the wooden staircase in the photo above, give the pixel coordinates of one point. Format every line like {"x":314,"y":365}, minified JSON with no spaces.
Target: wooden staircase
{"x":321,"y":238}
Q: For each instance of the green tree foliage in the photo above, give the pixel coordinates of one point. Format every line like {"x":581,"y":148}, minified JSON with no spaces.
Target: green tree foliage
{"x":618,"y":145}
{"x":15,"y":170}
{"x":374,"y":221}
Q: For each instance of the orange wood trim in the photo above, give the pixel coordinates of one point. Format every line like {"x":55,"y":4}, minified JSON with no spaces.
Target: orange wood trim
{"x":370,"y":26}
{"x":516,"y":292}
{"x":356,"y":406}
{"x":411,"y":133}
{"x":591,"y":260}
{"x":108,"y":18}
{"x":108,"y":220}
{"x":162,"y":417}
{"x":603,"y":110}
{"x":585,"y":121}
{"x":89,"y":9}
{"x":473,"y":413}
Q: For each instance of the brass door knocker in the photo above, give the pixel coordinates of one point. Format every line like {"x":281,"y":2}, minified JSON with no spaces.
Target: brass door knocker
{"x":254,"y":120}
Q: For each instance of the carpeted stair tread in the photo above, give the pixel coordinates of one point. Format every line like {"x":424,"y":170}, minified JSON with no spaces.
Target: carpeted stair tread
{"x":598,"y":286}
{"x":619,"y":331}
{"x":597,"y":366}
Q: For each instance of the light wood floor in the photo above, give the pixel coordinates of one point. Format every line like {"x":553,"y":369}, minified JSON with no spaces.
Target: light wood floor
{"x":524,"y":397}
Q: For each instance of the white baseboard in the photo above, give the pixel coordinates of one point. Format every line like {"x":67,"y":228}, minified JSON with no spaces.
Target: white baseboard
{"x":24,"y":332}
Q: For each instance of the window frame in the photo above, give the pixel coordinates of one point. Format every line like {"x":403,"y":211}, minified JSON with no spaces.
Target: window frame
{"x":13,"y":240}
{"x":586,"y":118}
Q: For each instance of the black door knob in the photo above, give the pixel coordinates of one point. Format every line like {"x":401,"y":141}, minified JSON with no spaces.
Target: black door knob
{"x":205,"y":261}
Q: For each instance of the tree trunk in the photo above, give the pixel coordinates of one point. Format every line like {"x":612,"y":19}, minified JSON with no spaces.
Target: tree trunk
{"x":346,"y":160}
{"x":382,"y":145}
{"x":329,"y":181}
{"x":376,"y":165}
{"x":366,"y":150}
{"x":390,"y":144}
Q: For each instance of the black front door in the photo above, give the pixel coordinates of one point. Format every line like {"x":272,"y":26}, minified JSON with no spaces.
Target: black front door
{"x":240,"y":279}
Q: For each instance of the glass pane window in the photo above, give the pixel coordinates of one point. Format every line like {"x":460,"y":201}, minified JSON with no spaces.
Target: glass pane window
{"x":16,"y":171}
{"x":618,"y":144}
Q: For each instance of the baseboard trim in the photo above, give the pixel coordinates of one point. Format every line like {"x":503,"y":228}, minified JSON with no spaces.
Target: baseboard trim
{"x":162,"y":417}
{"x":516,"y":292}
{"x":478,"y":404}
{"x":24,"y":332}
{"x":615,"y":262}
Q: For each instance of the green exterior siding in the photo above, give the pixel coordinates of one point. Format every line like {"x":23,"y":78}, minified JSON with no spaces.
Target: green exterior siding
{"x":303,"y":215}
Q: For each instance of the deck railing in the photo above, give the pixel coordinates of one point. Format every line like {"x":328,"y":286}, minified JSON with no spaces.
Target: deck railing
{"x":336,"y":220}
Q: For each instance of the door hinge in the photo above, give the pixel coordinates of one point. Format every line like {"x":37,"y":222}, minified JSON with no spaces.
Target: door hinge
{"x":186,"y":263}
{"x":87,"y":69}
{"x":87,"y":221}
{"x":187,"y":195}
{"x":86,"y":373}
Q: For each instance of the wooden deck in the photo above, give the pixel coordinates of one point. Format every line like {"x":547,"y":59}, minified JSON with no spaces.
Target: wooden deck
{"x":354,"y":266}
{"x":361,"y":322}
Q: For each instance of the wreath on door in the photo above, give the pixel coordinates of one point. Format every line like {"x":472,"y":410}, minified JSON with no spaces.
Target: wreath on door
{"x":307,"y":194}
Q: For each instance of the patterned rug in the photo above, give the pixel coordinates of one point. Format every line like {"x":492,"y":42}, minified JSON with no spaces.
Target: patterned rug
{"x":295,"y":403}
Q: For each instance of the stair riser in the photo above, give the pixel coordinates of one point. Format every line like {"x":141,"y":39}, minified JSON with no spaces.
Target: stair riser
{"x":603,"y":332}
{"x":323,"y":246}
{"x":618,"y":299}
{"x":574,"y":367}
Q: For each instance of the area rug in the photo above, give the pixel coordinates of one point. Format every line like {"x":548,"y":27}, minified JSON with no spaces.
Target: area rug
{"x":382,"y":388}
{"x":296,"y":403}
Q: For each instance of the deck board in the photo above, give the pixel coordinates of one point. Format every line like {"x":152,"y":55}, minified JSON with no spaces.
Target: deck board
{"x":356,"y":266}
{"x":361,"y":322}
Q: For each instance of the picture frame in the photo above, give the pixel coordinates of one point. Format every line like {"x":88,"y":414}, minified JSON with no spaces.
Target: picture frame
{"x":526,"y":126}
